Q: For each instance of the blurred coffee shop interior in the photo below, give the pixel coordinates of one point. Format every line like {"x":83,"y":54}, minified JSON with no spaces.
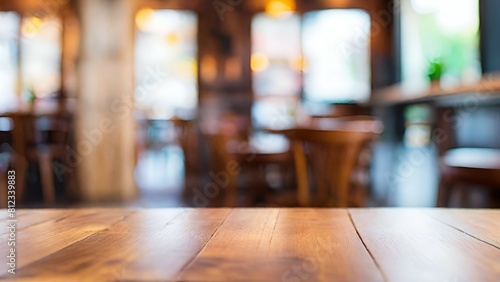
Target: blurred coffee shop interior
{"x":264,"y":103}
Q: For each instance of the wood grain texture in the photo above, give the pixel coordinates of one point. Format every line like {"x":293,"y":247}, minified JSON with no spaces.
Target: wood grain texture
{"x":27,"y":219}
{"x":326,"y":244}
{"x":410,"y":245}
{"x":234,"y":250}
{"x":284,"y":245}
{"x":481,"y":224}
{"x":287,"y":245}
{"x":43,"y":238}
{"x":149,"y":245}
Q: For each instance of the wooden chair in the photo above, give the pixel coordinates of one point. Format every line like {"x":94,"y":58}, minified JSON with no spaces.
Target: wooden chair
{"x":42,"y":145}
{"x":327,"y":158}
{"x":219,"y":160}
{"x":187,"y":138}
{"x":465,"y":167}
{"x":227,"y":149}
{"x":55,"y":137}
{"x":355,"y":123}
{"x":12,"y":138}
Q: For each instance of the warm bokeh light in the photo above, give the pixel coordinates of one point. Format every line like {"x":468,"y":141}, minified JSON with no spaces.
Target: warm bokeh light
{"x":278,"y":8}
{"x":299,"y":63}
{"x":32,"y":26}
{"x":259,"y":62}
{"x":172,"y":38}
{"x":208,"y":68}
{"x":233,"y":68}
{"x":143,"y":17}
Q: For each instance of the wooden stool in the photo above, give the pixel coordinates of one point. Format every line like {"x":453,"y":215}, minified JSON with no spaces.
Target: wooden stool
{"x":468,"y":166}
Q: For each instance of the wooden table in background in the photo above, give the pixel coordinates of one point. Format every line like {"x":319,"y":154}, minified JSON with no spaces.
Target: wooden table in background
{"x":256,"y":245}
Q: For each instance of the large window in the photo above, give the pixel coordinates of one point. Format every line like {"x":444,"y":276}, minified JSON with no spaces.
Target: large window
{"x":275,"y":55}
{"x":324,"y":55}
{"x":440,"y":39}
{"x":41,"y":55}
{"x":165,"y":63}
{"x":9,"y":26}
{"x":36,"y":42}
{"x":336,"y":49}
{"x":275,"y":62}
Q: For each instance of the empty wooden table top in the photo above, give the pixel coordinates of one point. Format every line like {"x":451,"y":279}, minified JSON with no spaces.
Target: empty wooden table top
{"x":255,"y":245}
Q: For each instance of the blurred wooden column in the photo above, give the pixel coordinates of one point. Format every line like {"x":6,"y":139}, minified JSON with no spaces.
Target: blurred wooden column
{"x":105,"y":125}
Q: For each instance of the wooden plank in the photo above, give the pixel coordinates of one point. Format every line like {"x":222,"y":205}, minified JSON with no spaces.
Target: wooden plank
{"x":481,"y":224}
{"x":409,"y":245}
{"x":150,"y":245}
{"x":284,"y":245}
{"x":229,"y":255}
{"x":328,"y":242}
{"x":4,"y":215}
{"x":258,"y":245}
{"x":40,"y":240}
{"x":27,"y":218}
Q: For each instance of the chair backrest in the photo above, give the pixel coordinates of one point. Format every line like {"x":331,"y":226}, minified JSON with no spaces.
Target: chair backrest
{"x":187,"y":138}
{"x":326,"y":158}
{"x":217,"y":146}
{"x":357,"y":123}
{"x":54,"y":128}
{"x":220,"y":158}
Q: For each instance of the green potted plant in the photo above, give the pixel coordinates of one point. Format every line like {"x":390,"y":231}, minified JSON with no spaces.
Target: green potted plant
{"x":435,"y":70}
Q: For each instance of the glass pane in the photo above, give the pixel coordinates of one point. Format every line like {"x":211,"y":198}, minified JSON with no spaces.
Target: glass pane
{"x":165,"y":63}
{"x":41,"y":56}
{"x":337,"y":55}
{"x":276,"y":55}
{"x":9,"y":30}
{"x":442,"y":33}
